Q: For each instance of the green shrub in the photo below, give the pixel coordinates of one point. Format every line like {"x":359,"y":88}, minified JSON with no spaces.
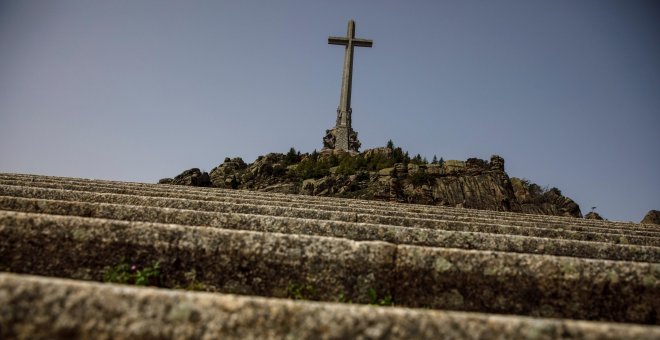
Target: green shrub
{"x":420,"y":178}
{"x":349,"y":165}
{"x":377,"y":162}
{"x":311,"y":168}
{"x":314,"y":166}
{"x":279,"y":170}
{"x":362,"y":176}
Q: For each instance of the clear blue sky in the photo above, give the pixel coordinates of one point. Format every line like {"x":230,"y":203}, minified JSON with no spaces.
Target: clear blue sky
{"x":568,"y":92}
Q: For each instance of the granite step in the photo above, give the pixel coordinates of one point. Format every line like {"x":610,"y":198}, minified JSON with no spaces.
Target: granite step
{"x":342,"y":201}
{"x":325,"y":206}
{"x":69,"y":195}
{"x":333,"y":269}
{"x":347,"y":230}
{"x":351,"y":202}
{"x":179,"y":203}
{"x":260,"y":209}
{"x":48,"y":307}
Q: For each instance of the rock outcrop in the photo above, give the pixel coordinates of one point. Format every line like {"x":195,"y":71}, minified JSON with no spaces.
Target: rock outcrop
{"x":381,"y":174}
{"x":193,"y":177}
{"x":592,"y":215}
{"x":652,"y":217}
{"x":536,"y":200}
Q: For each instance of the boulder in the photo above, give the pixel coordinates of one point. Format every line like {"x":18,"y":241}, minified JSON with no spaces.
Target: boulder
{"x":400,"y":169}
{"x":434,"y":169}
{"x":475,"y":166}
{"x":385,"y":172}
{"x":592,"y":215}
{"x":496,"y":163}
{"x":453,"y":167}
{"x":383,"y":152}
{"x":414,"y":168}
{"x":652,"y":217}
{"x":225,"y":172}
{"x":192,"y":177}
{"x":166,"y":181}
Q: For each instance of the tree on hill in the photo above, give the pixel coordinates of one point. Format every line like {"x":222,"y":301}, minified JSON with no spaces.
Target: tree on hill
{"x":398,"y":156}
{"x":390,"y":144}
{"x":292,"y":156}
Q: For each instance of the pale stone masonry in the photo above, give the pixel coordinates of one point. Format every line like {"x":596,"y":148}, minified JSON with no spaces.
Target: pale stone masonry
{"x":342,"y":136}
{"x":46,"y":308}
{"x":450,"y":273}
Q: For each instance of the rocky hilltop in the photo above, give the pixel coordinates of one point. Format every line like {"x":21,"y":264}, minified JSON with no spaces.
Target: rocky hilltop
{"x":652,"y":217}
{"x":386,"y":174}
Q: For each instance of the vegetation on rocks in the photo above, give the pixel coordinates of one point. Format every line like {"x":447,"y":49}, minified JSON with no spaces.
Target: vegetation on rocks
{"x":132,"y":274}
{"x":301,"y":291}
{"x":388,"y":174}
{"x":378,"y":300}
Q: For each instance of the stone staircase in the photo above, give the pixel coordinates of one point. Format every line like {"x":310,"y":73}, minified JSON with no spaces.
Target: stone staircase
{"x":254,"y":264}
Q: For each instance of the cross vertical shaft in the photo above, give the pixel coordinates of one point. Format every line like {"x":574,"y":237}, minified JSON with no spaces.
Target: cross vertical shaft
{"x":342,"y":136}
{"x":347,"y":77}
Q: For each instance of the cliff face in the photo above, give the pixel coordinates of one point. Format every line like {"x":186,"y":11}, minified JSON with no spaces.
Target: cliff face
{"x":374,"y":174}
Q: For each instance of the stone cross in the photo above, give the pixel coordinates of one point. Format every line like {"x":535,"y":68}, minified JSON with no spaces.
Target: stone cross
{"x":342,"y":135}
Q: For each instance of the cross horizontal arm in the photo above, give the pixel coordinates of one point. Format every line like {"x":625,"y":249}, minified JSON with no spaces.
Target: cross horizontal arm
{"x":355,"y":41}
{"x":363,"y":42}
{"x":337,"y":41}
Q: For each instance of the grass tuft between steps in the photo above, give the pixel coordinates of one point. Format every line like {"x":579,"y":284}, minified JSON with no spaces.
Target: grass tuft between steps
{"x":132,"y":274}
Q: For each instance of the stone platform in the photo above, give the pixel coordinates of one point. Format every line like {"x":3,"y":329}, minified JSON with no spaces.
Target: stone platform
{"x":275,"y":265}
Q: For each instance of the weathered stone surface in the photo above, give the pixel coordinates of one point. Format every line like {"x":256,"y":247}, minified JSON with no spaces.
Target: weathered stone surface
{"x":353,"y":231}
{"x":368,"y":207}
{"x":454,"y":166}
{"x":237,"y":262}
{"x":58,"y":182}
{"x":178,"y":203}
{"x":224,"y":240}
{"x":533,"y":285}
{"x":509,"y":229}
{"x":297,"y":210}
{"x":652,"y":217}
{"x":268,"y":264}
{"x":35,"y":307}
